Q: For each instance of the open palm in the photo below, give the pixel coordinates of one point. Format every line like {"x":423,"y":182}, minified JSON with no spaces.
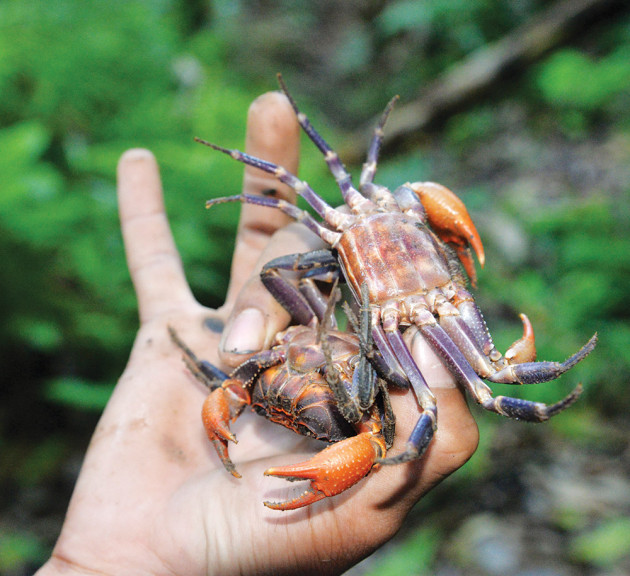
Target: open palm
{"x":152,"y":496}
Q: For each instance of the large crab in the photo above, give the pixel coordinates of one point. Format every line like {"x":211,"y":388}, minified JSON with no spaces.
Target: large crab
{"x":306,"y":382}
{"x":404,"y":249}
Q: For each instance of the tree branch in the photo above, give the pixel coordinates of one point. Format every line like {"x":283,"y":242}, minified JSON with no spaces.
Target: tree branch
{"x":481,"y":71}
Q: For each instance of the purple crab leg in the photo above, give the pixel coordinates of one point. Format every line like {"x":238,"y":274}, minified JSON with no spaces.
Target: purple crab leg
{"x":289,"y":297}
{"x":317,"y":264}
{"x":426,"y":426}
{"x":205,"y":372}
{"x":212,"y":377}
{"x":466,"y":341}
{"x":536,"y":372}
{"x":385,"y":360}
{"x":333,"y":217}
{"x":364,"y":373}
{"x":293,"y":211}
{"x":352,"y":197}
{"x":369,"y":168}
{"x":319,"y":305}
{"x":410,"y":368}
{"x":470,"y":313}
{"x":465,"y":374}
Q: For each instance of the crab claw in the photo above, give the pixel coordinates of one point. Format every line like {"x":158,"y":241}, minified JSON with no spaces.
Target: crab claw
{"x":331,"y":471}
{"x":524,"y":349}
{"x":222,"y":406}
{"x":449,"y":218}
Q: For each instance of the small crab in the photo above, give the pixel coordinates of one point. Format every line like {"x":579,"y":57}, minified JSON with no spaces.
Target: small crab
{"x":405,"y":249}
{"x":306,"y":382}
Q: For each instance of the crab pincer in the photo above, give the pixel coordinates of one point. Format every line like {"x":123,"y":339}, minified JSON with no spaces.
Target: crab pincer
{"x":451,"y":221}
{"x":331,"y":471}
{"x":524,"y":349}
{"x":222,"y":406}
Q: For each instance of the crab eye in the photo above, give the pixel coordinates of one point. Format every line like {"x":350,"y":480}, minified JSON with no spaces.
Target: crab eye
{"x":407,"y":199}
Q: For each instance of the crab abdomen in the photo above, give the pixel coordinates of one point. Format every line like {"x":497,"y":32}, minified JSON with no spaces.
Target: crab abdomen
{"x":303,"y":403}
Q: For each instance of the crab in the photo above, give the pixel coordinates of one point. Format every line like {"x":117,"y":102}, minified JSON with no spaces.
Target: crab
{"x":306,"y":382}
{"x":405,"y":248}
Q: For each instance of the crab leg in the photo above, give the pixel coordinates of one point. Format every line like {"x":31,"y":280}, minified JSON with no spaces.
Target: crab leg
{"x":385,"y":361}
{"x":208,"y":374}
{"x":464,"y":338}
{"x":425,"y":428}
{"x":510,"y":407}
{"x":380,"y":195}
{"x":291,"y":299}
{"x":289,"y":209}
{"x":330,"y":215}
{"x":369,"y":168}
{"x":536,"y":372}
{"x":331,"y":471}
{"x":470,"y":313}
{"x":352,"y":197}
{"x":318,"y":264}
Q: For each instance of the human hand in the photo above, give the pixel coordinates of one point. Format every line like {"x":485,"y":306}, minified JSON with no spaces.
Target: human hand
{"x":152,"y":496}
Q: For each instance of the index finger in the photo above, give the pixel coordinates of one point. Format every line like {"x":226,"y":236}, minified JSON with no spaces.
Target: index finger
{"x":273,"y":134}
{"x":152,"y":257}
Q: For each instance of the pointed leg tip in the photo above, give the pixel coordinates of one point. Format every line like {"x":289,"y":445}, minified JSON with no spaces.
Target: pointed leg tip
{"x":567,"y":401}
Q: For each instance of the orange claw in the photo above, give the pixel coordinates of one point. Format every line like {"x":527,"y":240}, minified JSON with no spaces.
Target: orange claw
{"x":524,"y":349}
{"x":220,"y":407}
{"x":331,"y":471}
{"x":449,"y":217}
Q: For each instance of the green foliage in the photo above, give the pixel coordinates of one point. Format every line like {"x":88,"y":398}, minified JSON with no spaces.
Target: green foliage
{"x":33,"y":465}
{"x":413,"y":557}
{"x":110,"y":77}
{"x":78,"y":394}
{"x":18,"y":549}
{"x":581,"y":87}
{"x":605,"y":544}
{"x":561,"y":78}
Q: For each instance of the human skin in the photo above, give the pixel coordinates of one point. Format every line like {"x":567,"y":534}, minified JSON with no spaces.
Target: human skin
{"x":152,"y":496}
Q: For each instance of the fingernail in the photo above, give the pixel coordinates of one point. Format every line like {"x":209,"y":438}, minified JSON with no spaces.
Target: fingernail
{"x":245,"y":334}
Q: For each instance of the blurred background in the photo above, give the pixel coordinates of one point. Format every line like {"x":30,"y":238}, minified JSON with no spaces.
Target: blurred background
{"x":519,"y":106}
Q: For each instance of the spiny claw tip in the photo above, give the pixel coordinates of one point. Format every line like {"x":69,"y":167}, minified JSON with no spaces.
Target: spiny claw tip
{"x":307,"y":497}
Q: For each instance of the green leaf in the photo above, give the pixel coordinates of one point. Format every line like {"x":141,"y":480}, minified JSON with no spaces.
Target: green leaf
{"x":19,"y":549}
{"x":413,"y":557}
{"x":571,"y":78}
{"x":604,"y":545}
{"x":78,"y":393}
